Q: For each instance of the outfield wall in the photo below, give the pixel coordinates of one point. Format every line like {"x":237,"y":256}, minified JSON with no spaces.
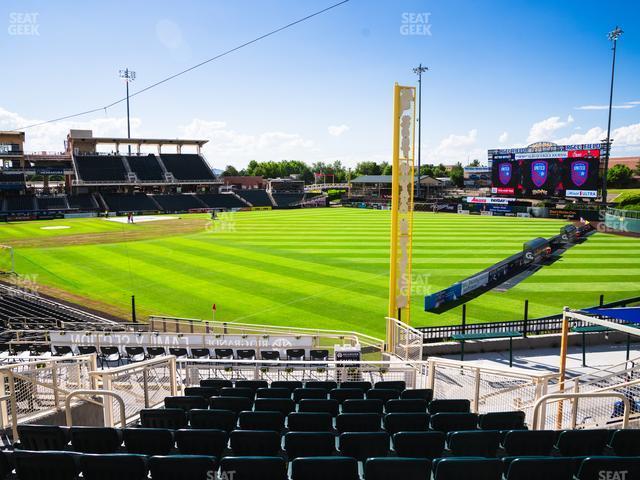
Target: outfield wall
{"x":623,"y":220}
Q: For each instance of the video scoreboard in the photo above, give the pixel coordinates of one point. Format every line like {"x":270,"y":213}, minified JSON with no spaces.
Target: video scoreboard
{"x":550,"y":171}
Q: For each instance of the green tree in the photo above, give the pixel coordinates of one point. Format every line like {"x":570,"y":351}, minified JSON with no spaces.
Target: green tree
{"x":440,"y":171}
{"x":475,"y":163}
{"x":368,"y":168}
{"x":457,"y":175}
{"x":619,"y":176}
{"x":230,"y":171}
{"x":386,"y":168}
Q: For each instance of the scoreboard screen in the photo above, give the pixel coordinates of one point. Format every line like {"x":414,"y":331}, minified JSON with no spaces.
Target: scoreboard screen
{"x":552,"y":171}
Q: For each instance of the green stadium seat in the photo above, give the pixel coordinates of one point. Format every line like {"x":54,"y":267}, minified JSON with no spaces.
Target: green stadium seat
{"x":148,"y":441}
{"x":309,"y":393}
{"x":448,"y":422}
{"x":419,"y":444}
{"x":363,"y":406}
{"x":45,"y":465}
{"x":358,"y":422}
{"x":204,"y":392}
{"x":237,"y":392}
{"x":449,"y":406}
{"x":95,"y":439}
{"x":415,"y":405}
{"x":235,"y":404}
{"x":342,"y":394}
{"x":363,"y":445}
{"x":535,"y":468}
{"x":573,"y":443}
{"x":261,"y":420}
{"x":255,"y":443}
{"x":386,"y":468}
{"x":171,"y":418}
{"x":282,"y":405}
{"x":309,"y":444}
{"x":384,"y":394}
{"x":613,"y":468}
{"x":502,"y":421}
{"x":290,"y":385}
{"x":479,"y":443}
{"x":213,"y":419}
{"x":207,"y":442}
{"x":361,"y":385}
{"x":192,"y":467}
{"x":398,"y":385}
{"x":323,"y":384}
{"x":42,"y":437}
{"x":309,"y":422}
{"x":273,"y":393}
{"x":323,"y":468}
{"x":215,"y":383}
{"x":406,"y":422}
{"x":254,"y":468}
{"x":625,"y":443}
{"x":252,"y":384}
{"x":312,"y":405}
{"x":524,"y":442}
{"x":421,"y":393}
{"x":114,"y":466}
{"x":476,"y":468}
{"x":185,"y":403}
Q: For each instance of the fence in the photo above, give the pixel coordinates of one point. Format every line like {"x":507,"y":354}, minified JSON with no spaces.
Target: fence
{"x":404,"y":341}
{"x":622,"y":220}
{"x":33,"y":389}
{"x":413,"y":373}
{"x":140,"y":385}
{"x":534,"y":326}
{"x":489,"y":389}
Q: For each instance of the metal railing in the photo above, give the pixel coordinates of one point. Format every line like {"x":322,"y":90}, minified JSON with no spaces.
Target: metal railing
{"x":403,"y":340}
{"x":108,"y":411}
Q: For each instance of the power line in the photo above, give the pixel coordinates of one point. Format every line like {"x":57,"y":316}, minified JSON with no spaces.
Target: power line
{"x":171,"y":77}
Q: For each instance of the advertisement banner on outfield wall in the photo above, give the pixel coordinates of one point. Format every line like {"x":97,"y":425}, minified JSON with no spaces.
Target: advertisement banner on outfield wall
{"x":473,"y":283}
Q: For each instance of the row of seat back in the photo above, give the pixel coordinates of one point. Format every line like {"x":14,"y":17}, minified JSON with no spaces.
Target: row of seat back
{"x":66,"y":466}
{"x":293,"y":384}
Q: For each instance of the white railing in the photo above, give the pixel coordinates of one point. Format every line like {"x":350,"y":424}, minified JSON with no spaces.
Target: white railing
{"x":403,"y":340}
{"x":490,"y":389}
{"x":414,"y":374}
{"x":108,"y":410}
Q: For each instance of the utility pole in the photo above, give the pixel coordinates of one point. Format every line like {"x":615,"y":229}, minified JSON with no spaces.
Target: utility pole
{"x":128,"y":76}
{"x":613,"y":35}
{"x":419,"y":70}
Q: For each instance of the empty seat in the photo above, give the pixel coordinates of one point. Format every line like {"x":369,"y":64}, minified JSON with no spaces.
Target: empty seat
{"x":323,"y":384}
{"x":273,"y":393}
{"x":625,"y":443}
{"x":237,"y":392}
{"x":282,"y":405}
{"x":201,"y":441}
{"x":448,"y":422}
{"x":95,"y":439}
{"x":110,"y":354}
{"x":179,"y":352}
{"x":185,"y":403}
{"x":261,"y":420}
{"x":235,"y":404}
{"x":476,"y":468}
{"x":322,"y":468}
{"x":450,"y":406}
{"x":360,"y":385}
{"x":245,"y":354}
{"x":216,"y":419}
{"x":384,"y":394}
{"x":200,"y":353}
{"x":342,"y":394}
{"x":573,"y":443}
{"x":309,"y":422}
{"x":254,"y":468}
{"x":113,"y":466}
{"x":419,"y":444}
{"x":204,"y":392}
{"x":609,"y":468}
{"x":363,"y":445}
{"x":193,"y":467}
{"x":295,"y":354}
{"x":172,"y":418}
{"x":313,"y":405}
{"x":252,"y":384}
{"x":270,"y":355}
{"x":401,"y":468}
{"x":535,"y":468}
{"x":406,"y":406}
{"x":319,"y":355}
{"x":358,"y":422}
{"x":304,"y":393}
{"x":43,"y":437}
{"x":524,"y":442}
{"x":148,"y":441}
{"x":406,"y":422}
{"x":223,"y":353}
{"x":135,"y":354}
{"x":422,"y":393}
{"x":45,"y":465}
{"x":398,"y":385}
{"x":153,"y":352}
{"x":255,"y":442}
{"x":62,"y":350}
{"x":215,"y":383}
{"x":290,"y":385}
{"x":501,"y":421}
{"x":309,"y":444}
{"x":352,"y":405}
{"x":480,"y":443}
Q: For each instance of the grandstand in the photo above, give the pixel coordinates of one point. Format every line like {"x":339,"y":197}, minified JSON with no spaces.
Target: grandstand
{"x":187,"y":167}
{"x":178,"y":202}
{"x":286,"y":200}
{"x":134,"y":202}
{"x":100,"y":168}
{"x":146,"y":168}
{"x":257,"y":198}
{"x":221,"y":200}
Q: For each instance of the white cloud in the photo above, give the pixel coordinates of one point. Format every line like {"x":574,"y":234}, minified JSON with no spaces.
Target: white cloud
{"x":542,"y":130}
{"x":455,"y":148}
{"x":625,"y":136}
{"x":337,"y":130}
{"x":503,"y":137}
{"x":227,"y":146}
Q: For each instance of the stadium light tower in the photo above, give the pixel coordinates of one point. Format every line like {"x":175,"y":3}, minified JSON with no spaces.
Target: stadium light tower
{"x":419,"y":70}
{"x":613,"y":35}
{"x":128,"y":76}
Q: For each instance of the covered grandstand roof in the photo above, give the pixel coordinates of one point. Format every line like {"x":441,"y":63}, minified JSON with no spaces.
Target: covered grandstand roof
{"x":386,"y":179}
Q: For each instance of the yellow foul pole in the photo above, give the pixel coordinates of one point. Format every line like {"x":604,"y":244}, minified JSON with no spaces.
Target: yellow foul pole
{"x":404,"y":105}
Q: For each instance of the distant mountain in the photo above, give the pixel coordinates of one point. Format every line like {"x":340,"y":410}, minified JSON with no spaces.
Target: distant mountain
{"x":217,"y":172}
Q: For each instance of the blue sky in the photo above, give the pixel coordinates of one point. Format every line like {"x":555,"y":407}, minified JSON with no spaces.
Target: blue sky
{"x":502,"y":74}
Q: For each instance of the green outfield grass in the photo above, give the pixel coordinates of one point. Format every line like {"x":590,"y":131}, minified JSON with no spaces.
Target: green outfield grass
{"x":324,"y":268}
